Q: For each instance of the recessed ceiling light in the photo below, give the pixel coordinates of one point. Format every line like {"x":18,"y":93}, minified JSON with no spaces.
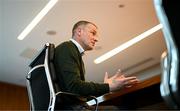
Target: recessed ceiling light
{"x":121,"y":5}
{"x":29,"y":53}
{"x":51,"y":32}
{"x":97,"y":48}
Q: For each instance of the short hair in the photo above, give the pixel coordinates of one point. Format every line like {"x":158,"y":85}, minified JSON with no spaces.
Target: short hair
{"x":79,"y":23}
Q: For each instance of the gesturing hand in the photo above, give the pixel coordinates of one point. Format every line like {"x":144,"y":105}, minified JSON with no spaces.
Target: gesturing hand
{"x":119,"y":81}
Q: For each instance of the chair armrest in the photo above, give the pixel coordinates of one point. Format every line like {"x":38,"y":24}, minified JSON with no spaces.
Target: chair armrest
{"x":79,"y":98}
{"x":83,"y":98}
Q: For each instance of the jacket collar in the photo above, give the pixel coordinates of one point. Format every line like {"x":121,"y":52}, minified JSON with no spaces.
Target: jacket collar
{"x":80,"y":48}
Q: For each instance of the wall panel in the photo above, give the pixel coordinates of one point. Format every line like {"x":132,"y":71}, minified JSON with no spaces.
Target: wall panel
{"x":13,"y":97}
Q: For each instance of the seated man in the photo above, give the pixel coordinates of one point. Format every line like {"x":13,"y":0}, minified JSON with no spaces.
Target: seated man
{"x":70,"y":67}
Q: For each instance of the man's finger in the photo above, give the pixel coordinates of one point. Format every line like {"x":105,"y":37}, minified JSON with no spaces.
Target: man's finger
{"x":128,"y":86}
{"x":106,"y":76}
{"x":130,"y":78}
{"x":119,"y":73}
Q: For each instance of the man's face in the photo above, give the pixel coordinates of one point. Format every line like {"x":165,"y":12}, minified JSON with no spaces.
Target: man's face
{"x":89,"y":37}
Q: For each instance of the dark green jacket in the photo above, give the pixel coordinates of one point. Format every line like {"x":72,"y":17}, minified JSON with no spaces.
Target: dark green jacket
{"x":70,"y":70}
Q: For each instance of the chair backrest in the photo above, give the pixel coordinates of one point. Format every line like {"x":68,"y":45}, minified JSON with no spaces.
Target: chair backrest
{"x":167,"y":13}
{"x":39,"y":80}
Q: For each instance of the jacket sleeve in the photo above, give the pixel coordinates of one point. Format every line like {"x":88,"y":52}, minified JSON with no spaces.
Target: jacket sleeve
{"x":69,"y":69}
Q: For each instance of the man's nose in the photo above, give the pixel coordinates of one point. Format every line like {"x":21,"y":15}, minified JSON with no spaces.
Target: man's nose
{"x":96,"y":39}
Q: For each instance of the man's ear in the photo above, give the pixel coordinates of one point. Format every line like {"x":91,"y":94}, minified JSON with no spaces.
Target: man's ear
{"x":79,"y":30}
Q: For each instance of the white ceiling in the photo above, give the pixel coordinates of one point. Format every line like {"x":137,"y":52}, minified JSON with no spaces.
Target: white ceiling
{"x":116,"y":26}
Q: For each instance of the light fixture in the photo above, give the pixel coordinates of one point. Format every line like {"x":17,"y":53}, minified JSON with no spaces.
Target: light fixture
{"x":36,"y":20}
{"x":127,"y":44}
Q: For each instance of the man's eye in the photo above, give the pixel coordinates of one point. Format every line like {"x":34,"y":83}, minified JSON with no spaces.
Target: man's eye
{"x":94,"y":33}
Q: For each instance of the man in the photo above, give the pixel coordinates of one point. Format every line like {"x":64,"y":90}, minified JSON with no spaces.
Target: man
{"x":70,"y":67}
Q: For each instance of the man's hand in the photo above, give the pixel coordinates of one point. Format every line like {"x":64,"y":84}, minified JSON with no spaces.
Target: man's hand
{"x":119,"y":81}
